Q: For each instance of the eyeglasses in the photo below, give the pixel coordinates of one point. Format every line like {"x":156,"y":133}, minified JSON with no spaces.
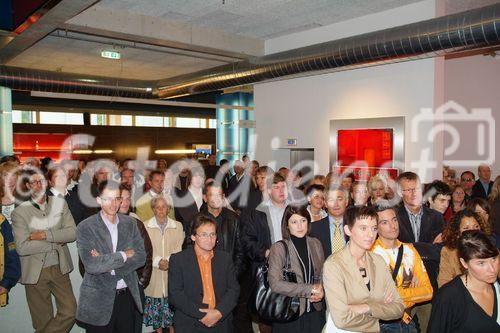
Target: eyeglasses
{"x":117,"y":199}
{"x":467,"y":180}
{"x":38,"y":181}
{"x":205,"y":235}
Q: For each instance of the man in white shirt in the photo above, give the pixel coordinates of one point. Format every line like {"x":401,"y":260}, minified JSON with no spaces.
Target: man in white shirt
{"x":111,"y":249}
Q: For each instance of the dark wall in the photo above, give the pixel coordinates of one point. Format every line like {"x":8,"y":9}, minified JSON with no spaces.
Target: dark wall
{"x":125,"y":141}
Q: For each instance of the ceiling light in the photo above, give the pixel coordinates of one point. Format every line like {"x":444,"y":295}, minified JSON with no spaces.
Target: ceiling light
{"x":174,"y":151}
{"x":82,"y":151}
{"x":103,"y":151}
{"x":110,"y":55}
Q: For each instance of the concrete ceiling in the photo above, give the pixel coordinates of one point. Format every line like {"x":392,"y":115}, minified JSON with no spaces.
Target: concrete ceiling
{"x":160,"y":39}
{"x":70,"y":55}
{"x":261,"y":19}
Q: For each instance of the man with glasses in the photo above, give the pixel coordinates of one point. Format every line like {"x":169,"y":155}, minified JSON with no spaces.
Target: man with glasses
{"x":467,"y":180}
{"x":202,"y":283}
{"x":111,"y":249}
{"x":418,"y":223}
{"x":42,"y":227}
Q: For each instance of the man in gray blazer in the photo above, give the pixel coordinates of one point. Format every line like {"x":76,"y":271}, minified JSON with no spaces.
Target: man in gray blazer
{"x":111,"y":249}
{"x":42,"y":227}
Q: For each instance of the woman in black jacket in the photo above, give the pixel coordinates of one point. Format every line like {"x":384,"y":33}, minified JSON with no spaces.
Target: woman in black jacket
{"x":469,"y":303}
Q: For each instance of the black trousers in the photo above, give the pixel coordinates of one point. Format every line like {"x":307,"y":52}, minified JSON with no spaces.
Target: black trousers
{"x":242,"y":321}
{"x":124,"y":316}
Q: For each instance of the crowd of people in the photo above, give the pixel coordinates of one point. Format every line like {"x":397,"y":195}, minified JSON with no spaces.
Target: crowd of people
{"x":177,"y":248}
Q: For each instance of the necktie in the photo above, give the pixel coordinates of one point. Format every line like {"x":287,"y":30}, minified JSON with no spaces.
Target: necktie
{"x":337,"y":239}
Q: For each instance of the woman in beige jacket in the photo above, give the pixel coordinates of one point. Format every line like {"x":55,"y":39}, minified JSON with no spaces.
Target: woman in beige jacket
{"x":306,"y":260}
{"x":359,"y":289}
{"x":167,"y":236}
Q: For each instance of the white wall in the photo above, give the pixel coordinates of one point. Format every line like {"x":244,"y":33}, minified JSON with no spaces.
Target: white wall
{"x":302,"y":108}
{"x":474,"y":83}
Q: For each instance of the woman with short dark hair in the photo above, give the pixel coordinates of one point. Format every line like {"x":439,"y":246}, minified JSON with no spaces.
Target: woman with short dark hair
{"x":359,"y":289}
{"x":469,"y":303}
{"x":306,"y":259}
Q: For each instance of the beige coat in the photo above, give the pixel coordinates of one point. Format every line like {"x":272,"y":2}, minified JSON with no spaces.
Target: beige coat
{"x":344,"y":286}
{"x":449,"y":266}
{"x":60,"y":226}
{"x":299,"y":289}
{"x":164,"y":245}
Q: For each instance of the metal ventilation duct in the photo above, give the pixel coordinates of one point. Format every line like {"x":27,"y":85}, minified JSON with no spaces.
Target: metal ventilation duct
{"x":27,"y":79}
{"x":473,"y":29}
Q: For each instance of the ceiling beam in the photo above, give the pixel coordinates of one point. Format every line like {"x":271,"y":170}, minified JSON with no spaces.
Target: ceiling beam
{"x":64,"y":10}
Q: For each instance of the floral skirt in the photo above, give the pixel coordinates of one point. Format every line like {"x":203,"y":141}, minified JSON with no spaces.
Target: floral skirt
{"x":157,"y":313}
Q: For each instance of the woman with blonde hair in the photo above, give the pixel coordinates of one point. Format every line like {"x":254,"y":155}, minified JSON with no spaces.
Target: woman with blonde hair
{"x":9,"y":173}
{"x":377,"y":186}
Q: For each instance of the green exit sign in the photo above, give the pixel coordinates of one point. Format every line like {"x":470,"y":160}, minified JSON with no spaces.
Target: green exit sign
{"x":110,"y":55}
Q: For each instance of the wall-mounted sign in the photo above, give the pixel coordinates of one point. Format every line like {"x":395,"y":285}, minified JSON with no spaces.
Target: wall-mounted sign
{"x":291,"y":142}
{"x":110,"y":55}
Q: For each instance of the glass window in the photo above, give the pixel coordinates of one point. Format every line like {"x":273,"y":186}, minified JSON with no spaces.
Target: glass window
{"x":166,"y":122}
{"x":23,"y":117}
{"x":189,"y":122}
{"x":120,"y":120}
{"x":61,"y":118}
{"x":149,"y":121}
{"x":212,"y":123}
{"x":98,"y":119}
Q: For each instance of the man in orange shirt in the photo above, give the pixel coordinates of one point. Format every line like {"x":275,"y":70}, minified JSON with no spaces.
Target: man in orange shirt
{"x":408,"y":272}
{"x":202,"y":283}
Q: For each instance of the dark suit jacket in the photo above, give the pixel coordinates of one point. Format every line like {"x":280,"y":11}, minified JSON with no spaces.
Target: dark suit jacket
{"x":185,"y":291}
{"x":238,"y":191}
{"x":321,"y":230}
{"x":98,"y":289}
{"x":228,"y":235}
{"x":478,"y":190}
{"x":185,"y":208}
{"x":78,"y":210}
{"x":256,"y":238}
{"x":431,"y":226}
{"x":254,"y":198}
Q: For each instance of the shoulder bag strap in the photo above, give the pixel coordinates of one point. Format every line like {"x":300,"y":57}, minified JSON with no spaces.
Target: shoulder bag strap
{"x":287,"y":266}
{"x":398,"y":263}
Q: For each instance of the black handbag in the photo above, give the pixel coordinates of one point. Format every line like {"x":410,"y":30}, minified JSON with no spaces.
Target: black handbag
{"x":269,"y":306}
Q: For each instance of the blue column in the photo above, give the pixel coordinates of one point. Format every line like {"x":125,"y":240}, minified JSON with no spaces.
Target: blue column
{"x":6,"y":121}
{"x":235,"y":127}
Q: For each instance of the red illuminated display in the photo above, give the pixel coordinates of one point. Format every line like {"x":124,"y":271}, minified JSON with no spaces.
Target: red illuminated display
{"x":373,"y":146}
{"x":41,"y":145}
